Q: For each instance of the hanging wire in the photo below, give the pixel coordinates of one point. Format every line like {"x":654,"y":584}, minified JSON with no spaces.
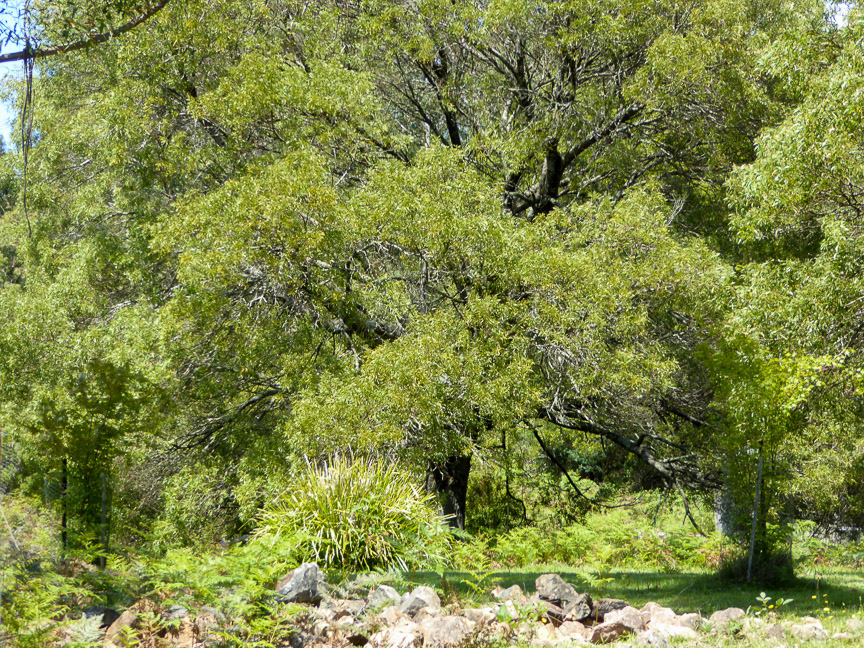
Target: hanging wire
{"x":27,"y":111}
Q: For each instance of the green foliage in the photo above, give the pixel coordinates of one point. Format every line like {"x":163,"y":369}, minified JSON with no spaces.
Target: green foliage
{"x":357,"y":514}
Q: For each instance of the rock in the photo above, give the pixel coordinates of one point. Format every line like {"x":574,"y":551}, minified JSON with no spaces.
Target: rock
{"x":427,"y":612}
{"x":129,"y":619}
{"x":581,"y":608}
{"x":854,"y":625}
{"x":775,"y":631}
{"x":513,"y":593}
{"x":653,"y":637}
{"x":721,"y":619}
{"x":304,"y":585}
{"x":808,"y":631}
{"x":343,"y":607}
{"x":544,"y":635}
{"x":479,"y":616}
{"x":399,"y":637}
{"x":553,"y":613}
{"x":571,"y":629}
{"x":553,"y":588}
{"x":618,"y":623}
{"x":508,"y":611}
{"x":676,"y":631}
{"x":843,"y":636}
{"x":445,"y":631}
{"x":176,"y":612}
{"x":421,"y":597}
{"x":108,"y":615}
{"x":601,"y":607}
{"x":390,"y":616}
{"x":382,"y":596}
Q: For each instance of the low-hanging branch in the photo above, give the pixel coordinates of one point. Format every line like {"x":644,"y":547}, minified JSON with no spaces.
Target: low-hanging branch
{"x":94,"y":39}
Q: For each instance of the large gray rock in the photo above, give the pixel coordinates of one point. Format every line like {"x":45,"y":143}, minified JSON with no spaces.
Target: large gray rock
{"x":604,"y":606}
{"x":553,"y":588}
{"x":445,"y":631}
{"x":722,"y":619}
{"x":617,"y":624}
{"x":382,"y":596}
{"x":513,"y":593}
{"x":421,"y":597}
{"x":580,"y":609}
{"x":306,"y":584}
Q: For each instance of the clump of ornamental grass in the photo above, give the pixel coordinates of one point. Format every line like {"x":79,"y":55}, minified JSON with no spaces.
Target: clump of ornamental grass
{"x":357,"y":514}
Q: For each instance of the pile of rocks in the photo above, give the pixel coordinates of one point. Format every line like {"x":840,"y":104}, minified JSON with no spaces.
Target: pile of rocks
{"x":555,"y":616}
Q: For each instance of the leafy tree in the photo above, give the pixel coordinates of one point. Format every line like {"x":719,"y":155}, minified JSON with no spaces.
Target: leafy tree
{"x":408,"y":228}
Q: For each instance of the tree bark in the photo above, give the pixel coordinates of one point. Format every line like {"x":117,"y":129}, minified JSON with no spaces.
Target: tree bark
{"x":450,"y":479}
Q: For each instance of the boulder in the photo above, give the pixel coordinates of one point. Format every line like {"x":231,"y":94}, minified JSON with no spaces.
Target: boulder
{"x":553,"y":588}
{"x":653,"y":637}
{"x":306,"y":584}
{"x":382,"y":596}
{"x":445,"y":631}
{"x":721,"y":619}
{"x":618,"y":623}
{"x":602,"y":607}
{"x":402,"y":636}
{"x":421,"y":597}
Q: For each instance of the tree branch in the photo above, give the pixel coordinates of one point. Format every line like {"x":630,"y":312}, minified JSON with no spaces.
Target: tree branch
{"x":95,"y":39}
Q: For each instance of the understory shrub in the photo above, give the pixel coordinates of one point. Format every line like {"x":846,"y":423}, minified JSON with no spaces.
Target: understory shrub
{"x":358,"y":515}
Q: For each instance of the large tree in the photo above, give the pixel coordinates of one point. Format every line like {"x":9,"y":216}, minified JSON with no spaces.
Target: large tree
{"x":409,"y":227}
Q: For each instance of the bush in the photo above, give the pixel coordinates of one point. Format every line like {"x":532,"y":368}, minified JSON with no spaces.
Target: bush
{"x":358,"y":515}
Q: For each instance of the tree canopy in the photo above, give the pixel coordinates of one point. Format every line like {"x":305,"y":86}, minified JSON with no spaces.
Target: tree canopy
{"x":266,"y":229}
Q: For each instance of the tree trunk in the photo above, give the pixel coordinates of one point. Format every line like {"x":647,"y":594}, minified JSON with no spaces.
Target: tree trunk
{"x":451,"y":483}
{"x":64,"y":495}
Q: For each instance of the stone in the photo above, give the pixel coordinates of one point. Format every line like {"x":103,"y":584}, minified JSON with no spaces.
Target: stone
{"x":176,"y":612}
{"x":421,"y":597}
{"x":721,"y":619}
{"x":513,"y":593}
{"x":653,"y":637}
{"x":808,"y":631}
{"x":427,"y":612}
{"x":580,"y":609}
{"x":843,"y":636}
{"x":775,"y":631}
{"x":343,"y":607}
{"x":553,"y":588}
{"x":445,"y":631}
{"x":382,"y":596}
{"x":854,"y":625}
{"x":108,"y":615}
{"x":480,"y":616}
{"x":390,"y":616}
{"x":570,"y":629}
{"x":676,"y":631}
{"x":544,"y":635}
{"x":128,"y":619}
{"x":304,"y":585}
{"x":601,"y":607}
{"x":402,"y":637}
{"x":618,"y":623}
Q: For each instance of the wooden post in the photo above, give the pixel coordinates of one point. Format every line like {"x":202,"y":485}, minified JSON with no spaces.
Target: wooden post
{"x":755,"y":516}
{"x":103,"y":559}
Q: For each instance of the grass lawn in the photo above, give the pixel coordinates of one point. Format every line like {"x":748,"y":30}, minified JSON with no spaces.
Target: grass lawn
{"x":840,"y":590}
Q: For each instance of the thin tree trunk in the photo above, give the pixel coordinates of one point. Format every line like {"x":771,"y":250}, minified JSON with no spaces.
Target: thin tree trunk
{"x":64,"y":496}
{"x":451,"y":483}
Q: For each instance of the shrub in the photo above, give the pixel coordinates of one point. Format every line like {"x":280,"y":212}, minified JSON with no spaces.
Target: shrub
{"x":358,"y":515}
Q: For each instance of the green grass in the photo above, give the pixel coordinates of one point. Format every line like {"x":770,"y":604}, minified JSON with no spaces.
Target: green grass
{"x":684,"y":592}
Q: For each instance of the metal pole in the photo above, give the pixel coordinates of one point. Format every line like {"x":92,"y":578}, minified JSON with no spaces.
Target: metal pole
{"x":755,"y":516}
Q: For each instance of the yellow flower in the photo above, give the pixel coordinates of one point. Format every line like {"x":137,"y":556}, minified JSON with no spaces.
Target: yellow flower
{"x":827,"y":609}
{"x":814,"y":596}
